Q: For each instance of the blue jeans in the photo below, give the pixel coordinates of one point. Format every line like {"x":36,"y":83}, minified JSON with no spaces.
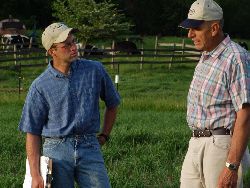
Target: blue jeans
{"x":76,"y":158}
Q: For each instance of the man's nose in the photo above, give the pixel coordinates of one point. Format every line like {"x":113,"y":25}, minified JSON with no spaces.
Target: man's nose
{"x":190,"y":33}
{"x":73,"y":46}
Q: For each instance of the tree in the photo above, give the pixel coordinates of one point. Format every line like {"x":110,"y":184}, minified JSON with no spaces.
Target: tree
{"x":93,"y":20}
{"x":155,"y":16}
{"x":28,"y":11}
{"x":150,"y":16}
{"x":236,"y":16}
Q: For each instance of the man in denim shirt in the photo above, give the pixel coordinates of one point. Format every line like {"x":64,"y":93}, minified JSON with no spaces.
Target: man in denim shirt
{"x":63,"y":107}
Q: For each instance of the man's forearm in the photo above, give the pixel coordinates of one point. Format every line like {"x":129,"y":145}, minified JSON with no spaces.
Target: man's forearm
{"x":240,"y":136}
{"x":33,"y":147}
{"x":228,"y":177}
{"x":109,"y":119}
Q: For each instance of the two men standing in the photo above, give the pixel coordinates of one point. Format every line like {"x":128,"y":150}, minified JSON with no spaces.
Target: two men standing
{"x":62,"y":106}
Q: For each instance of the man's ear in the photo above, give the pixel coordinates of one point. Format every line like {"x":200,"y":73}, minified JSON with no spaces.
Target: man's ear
{"x":51,"y":52}
{"x":215,"y":27}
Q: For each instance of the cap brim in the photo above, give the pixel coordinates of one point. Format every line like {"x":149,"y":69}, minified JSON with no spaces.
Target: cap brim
{"x":191,"y":23}
{"x":74,"y":30}
{"x":64,"y":35}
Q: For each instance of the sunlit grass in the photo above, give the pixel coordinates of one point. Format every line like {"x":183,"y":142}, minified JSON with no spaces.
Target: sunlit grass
{"x":148,"y":141}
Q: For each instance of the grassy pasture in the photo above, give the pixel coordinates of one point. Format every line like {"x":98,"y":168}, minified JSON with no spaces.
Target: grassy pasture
{"x":149,"y":139}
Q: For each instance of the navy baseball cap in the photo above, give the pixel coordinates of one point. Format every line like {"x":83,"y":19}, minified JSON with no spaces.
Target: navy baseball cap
{"x":200,"y":11}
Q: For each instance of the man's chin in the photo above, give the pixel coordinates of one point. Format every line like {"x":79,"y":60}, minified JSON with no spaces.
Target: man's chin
{"x":198,"y":47}
{"x":73,"y":58}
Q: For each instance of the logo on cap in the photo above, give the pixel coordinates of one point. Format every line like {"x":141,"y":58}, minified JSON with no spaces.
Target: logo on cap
{"x":191,"y":12}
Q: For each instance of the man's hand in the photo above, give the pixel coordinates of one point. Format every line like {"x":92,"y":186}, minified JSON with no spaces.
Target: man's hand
{"x":37,"y":182}
{"x":33,"y":145}
{"x":228,"y":178}
{"x":109,"y":119}
{"x":102,"y":139}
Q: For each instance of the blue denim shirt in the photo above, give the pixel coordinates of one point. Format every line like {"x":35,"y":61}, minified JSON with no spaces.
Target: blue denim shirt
{"x":59,"y":105}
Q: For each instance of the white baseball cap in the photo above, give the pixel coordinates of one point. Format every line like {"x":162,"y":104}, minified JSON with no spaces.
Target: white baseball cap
{"x":55,"y":33}
{"x":200,"y":11}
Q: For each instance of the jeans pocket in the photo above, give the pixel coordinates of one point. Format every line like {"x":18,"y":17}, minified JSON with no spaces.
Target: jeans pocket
{"x":222,"y":141}
{"x":94,"y":144}
{"x":52,"y":143}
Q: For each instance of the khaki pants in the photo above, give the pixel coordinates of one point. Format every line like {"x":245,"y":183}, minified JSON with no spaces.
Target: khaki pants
{"x":205,"y":160}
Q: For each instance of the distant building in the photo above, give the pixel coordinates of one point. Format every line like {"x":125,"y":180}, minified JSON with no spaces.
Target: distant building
{"x":11,"y":26}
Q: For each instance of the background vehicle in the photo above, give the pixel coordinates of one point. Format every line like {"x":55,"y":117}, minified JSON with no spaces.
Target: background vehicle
{"x":21,"y":41}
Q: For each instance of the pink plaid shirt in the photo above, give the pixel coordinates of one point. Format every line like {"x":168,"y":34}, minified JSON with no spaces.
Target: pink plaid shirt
{"x":220,"y":86}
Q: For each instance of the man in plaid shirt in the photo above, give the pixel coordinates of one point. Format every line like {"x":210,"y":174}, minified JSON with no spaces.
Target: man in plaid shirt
{"x":218,"y":110}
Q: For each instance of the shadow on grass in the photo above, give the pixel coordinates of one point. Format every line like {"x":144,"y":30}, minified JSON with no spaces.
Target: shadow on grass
{"x":141,"y":142}
{"x":247,"y":179}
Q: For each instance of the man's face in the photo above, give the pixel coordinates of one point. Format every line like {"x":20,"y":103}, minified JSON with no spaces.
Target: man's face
{"x":67,"y":50}
{"x":202,"y":37}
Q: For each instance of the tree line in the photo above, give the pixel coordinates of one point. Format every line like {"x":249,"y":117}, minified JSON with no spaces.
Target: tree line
{"x":147,"y":17}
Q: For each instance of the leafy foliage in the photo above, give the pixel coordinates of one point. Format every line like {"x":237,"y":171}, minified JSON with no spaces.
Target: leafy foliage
{"x":149,"y":16}
{"x":94,"y":20}
{"x":28,"y":11}
{"x":150,"y":137}
{"x":156,"y":17}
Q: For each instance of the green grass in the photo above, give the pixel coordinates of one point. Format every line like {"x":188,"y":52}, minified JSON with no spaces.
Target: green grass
{"x":150,"y":137}
{"x":147,"y":147}
{"x":12,"y":153}
{"x":148,"y":141}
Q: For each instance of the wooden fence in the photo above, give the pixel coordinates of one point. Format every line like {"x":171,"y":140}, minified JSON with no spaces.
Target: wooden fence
{"x":16,"y":59}
{"x":174,"y":53}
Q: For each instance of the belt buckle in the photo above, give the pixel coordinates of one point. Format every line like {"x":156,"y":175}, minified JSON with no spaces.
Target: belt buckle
{"x":201,"y":133}
{"x":206,"y":133}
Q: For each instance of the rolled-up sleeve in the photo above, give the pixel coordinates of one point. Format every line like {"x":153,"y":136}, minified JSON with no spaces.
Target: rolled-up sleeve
{"x":240,"y":83}
{"x":35,"y":113}
{"x":108,"y":92}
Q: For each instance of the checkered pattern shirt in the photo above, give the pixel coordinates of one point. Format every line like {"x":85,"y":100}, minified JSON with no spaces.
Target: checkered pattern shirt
{"x":220,"y":86}
{"x":59,"y":105}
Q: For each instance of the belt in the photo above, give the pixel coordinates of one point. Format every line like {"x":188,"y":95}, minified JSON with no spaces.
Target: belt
{"x":77,"y":136}
{"x":208,"y":132}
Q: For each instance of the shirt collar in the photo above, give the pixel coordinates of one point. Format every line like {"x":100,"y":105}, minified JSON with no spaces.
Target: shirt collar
{"x":57,"y":73}
{"x":218,"y":50}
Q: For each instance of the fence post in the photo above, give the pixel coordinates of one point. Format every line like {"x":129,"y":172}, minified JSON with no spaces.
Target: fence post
{"x":47,"y":57}
{"x":142,"y":56}
{"x":15,"y":55}
{"x":172,"y":58}
{"x":117,"y":76}
{"x":31,"y":41}
{"x":19,"y":78}
{"x":156,"y":44}
{"x":2,"y":44}
{"x":113,"y":52}
{"x":78,"y":45}
{"x":183,"y":48}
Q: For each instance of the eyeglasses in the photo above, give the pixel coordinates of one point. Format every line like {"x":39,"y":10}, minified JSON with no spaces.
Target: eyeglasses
{"x":69,"y":44}
{"x":66,"y":45}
